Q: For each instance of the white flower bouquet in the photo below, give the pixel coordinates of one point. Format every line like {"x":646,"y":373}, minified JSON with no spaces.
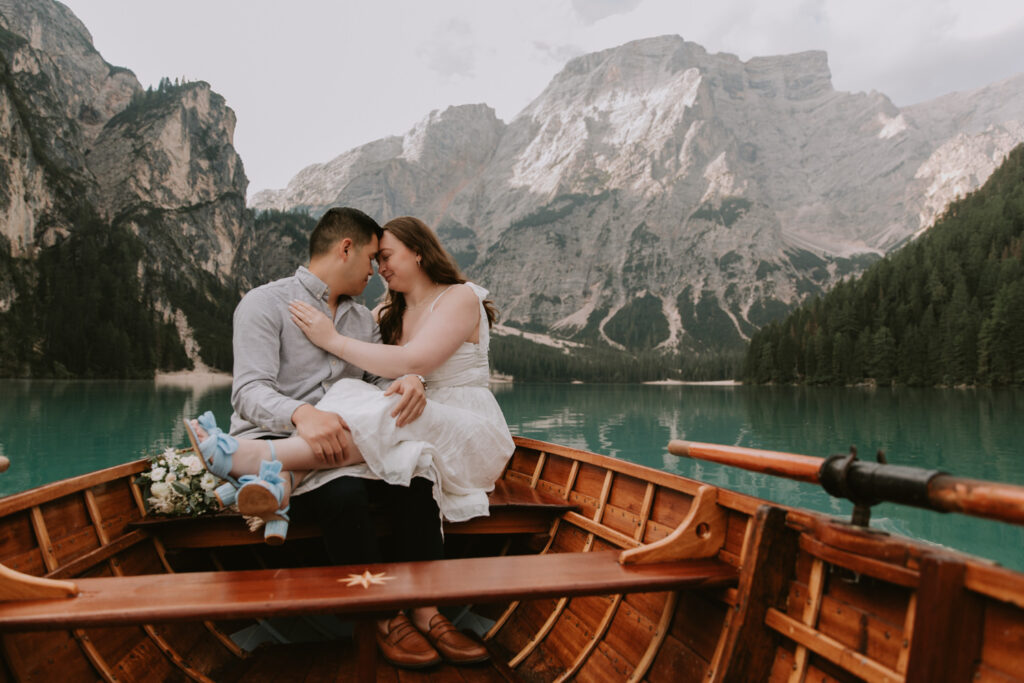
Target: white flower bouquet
{"x":177,"y":483}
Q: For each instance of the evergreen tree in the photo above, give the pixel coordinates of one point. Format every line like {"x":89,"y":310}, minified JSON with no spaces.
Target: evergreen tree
{"x":947,"y":308}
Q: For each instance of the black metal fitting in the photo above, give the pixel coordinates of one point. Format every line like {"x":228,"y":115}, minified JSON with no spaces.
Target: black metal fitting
{"x":867,"y":483}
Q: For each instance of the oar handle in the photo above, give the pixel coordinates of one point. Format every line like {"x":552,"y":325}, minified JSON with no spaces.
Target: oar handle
{"x":775,"y":463}
{"x":992,"y":500}
{"x":872,"y":482}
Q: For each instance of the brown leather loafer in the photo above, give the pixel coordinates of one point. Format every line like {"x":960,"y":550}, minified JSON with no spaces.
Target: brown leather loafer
{"x":403,"y":645}
{"x":456,"y":647}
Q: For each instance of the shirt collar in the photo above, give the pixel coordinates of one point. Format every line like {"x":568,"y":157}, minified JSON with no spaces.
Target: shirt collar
{"x":316,"y":287}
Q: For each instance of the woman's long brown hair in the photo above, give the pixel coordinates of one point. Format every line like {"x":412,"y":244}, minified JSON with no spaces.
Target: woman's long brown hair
{"x":436,"y":263}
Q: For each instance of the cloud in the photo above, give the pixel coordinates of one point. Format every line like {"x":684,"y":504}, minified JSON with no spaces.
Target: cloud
{"x":590,"y":11}
{"x":954,"y":65}
{"x":452,"y":52}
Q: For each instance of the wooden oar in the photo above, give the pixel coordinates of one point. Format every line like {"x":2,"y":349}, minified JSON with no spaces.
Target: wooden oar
{"x":775,"y":463}
{"x":872,"y":482}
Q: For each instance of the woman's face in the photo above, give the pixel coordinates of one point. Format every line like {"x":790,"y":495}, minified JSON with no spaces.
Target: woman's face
{"x":397,"y":263}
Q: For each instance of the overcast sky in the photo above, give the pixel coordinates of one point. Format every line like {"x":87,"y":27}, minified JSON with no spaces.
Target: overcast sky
{"x":310,"y":79}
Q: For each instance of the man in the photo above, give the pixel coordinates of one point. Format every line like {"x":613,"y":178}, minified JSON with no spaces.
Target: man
{"x":278,"y":378}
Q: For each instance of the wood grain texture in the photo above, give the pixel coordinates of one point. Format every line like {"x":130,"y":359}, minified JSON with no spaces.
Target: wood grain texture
{"x":787,"y":465}
{"x":834,"y":651}
{"x":199,"y":595}
{"x":66,"y":487}
{"x":700,"y":534}
{"x":948,"y":625}
{"x":768,"y":564}
{"x":1003,"y":639}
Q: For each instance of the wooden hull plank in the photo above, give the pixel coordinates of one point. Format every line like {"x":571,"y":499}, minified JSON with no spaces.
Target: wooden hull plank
{"x":949,"y":625}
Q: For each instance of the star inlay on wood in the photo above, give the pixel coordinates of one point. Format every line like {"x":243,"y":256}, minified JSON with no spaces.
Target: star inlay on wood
{"x":366,"y":579}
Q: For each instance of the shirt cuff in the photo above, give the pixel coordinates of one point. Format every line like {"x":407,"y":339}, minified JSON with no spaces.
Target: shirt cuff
{"x":282,"y":422}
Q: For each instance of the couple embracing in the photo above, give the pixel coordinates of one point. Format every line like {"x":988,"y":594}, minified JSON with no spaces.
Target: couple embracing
{"x":321,"y":432}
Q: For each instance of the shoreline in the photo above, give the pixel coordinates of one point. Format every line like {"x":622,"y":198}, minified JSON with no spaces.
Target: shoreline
{"x":206,"y":378}
{"x":203,"y":377}
{"x":708,"y":383}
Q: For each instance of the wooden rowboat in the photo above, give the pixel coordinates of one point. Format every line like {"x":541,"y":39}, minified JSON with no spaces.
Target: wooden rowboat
{"x":589,"y":568}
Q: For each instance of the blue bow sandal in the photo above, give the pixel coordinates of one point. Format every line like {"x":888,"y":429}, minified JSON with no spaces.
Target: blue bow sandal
{"x":215,"y":452}
{"x":262,"y":496}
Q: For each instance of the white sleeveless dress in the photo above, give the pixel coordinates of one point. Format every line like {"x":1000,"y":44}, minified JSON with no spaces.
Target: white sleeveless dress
{"x":461,"y":441}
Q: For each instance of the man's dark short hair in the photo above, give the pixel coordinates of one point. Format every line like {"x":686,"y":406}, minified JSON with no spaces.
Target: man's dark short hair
{"x":341,"y":222}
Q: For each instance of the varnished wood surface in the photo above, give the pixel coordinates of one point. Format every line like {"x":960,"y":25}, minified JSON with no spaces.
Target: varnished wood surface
{"x":280,"y":592}
{"x":58,"y":489}
{"x":948,"y":625}
{"x":989,"y":499}
{"x":747,"y":647}
{"x":511,"y":494}
{"x":788,"y":465}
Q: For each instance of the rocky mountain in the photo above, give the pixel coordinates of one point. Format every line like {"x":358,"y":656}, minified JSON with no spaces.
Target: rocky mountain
{"x":656,"y":195}
{"x":111,"y":198}
{"x":653,"y":196}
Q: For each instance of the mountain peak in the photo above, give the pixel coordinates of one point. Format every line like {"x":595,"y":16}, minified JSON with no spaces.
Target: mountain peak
{"x":657,"y":185}
{"x":633,"y":65}
{"x":445,"y":132}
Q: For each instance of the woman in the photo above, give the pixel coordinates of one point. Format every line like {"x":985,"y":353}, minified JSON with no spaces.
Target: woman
{"x":433,"y":324}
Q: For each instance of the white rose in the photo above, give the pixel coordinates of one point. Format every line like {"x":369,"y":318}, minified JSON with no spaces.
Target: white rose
{"x":208,"y":482}
{"x":171,"y":478}
{"x":157,"y":474}
{"x":160,"y":490}
{"x":193,"y":464}
{"x":161,"y":505}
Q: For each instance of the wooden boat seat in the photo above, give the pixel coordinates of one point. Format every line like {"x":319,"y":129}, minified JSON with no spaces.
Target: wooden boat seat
{"x":357,"y":590}
{"x":514,"y":508}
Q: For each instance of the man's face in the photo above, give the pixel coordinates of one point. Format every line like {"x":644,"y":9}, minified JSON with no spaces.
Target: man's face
{"x":359,"y":267}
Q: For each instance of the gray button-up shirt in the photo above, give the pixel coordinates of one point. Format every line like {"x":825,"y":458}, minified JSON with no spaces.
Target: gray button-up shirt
{"x":276,"y":368}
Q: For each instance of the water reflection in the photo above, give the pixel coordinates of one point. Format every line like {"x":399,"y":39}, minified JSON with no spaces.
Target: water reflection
{"x":967,"y":432}
{"x":51,"y":430}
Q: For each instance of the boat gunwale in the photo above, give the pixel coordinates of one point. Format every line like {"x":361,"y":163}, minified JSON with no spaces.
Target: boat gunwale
{"x":23,"y":500}
{"x":739,"y":502}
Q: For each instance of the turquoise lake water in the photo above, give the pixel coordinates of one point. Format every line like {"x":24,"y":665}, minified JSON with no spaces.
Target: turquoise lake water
{"x":51,"y":430}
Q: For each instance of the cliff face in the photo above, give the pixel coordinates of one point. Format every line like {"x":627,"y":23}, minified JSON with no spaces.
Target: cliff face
{"x":81,"y":146}
{"x":166,"y":167}
{"x":657,"y":185}
{"x":55,"y":93}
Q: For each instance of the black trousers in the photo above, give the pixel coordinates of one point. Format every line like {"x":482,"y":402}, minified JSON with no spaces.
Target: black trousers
{"x":345,"y":509}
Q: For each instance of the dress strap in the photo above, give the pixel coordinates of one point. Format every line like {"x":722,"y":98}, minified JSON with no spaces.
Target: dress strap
{"x":434,"y":302}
